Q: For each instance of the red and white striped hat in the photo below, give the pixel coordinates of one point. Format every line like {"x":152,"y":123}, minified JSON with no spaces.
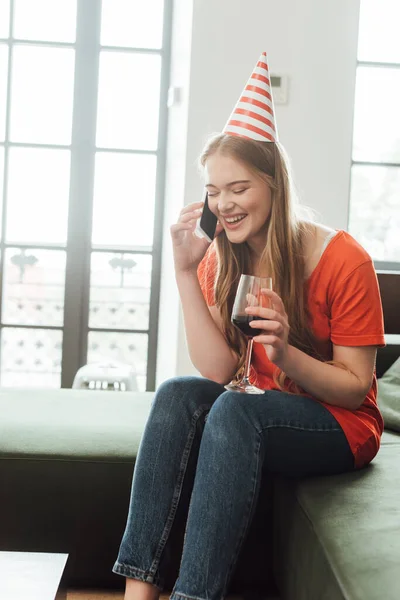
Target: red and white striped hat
{"x":253,"y":116}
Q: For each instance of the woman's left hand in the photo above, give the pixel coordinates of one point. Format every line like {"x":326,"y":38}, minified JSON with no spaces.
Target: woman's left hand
{"x":275,"y":326}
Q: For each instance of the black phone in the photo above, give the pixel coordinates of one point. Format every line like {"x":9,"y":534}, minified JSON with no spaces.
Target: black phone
{"x":208,"y":221}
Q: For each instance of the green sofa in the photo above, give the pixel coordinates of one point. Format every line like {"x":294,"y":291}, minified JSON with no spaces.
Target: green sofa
{"x":66,"y":465}
{"x":338,"y":538}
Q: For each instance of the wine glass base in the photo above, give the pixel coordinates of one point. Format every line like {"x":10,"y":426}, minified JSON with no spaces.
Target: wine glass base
{"x":243,"y":388}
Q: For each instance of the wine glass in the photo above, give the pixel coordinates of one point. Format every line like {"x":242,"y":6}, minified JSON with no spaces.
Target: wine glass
{"x":248,"y":294}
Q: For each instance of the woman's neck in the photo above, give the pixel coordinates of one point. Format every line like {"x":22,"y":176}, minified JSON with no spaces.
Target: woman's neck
{"x":258,"y":269}
{"x":256,"y":247}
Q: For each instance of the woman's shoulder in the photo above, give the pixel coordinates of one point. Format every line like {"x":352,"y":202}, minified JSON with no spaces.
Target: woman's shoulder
{"x":347,"y":249}
{"x":315,"y":240}
{"x":335,"y":252}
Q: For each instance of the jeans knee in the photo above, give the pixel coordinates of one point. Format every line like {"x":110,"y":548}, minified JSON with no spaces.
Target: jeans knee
{"x":177,"y":385}
{"x":228,"y":422}
{"x":187,"y":389}
{"x":228,"y":407}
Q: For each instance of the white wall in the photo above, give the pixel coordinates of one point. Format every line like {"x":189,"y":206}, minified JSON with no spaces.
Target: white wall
{"x":171,"y":335}
{"x":314,"y":43}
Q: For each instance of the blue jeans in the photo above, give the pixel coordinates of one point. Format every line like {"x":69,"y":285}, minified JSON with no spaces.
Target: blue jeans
{"x":204,"y":451}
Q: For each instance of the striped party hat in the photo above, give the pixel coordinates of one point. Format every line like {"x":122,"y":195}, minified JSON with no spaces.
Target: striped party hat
{"x":253,"y":116}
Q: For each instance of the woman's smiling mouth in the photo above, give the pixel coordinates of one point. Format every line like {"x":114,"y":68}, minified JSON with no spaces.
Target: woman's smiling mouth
{"x":234,"y":221}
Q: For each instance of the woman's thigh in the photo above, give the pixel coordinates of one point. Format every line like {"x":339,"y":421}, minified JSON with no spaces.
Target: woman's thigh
{"x":300,"y":437}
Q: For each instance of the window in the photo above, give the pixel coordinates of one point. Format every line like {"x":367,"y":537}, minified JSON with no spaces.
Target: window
{"x":83,"y":86}
{"x":375,"y":178}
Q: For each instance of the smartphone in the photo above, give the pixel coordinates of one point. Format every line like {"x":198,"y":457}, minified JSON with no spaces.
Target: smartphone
{"x":208,"y":222}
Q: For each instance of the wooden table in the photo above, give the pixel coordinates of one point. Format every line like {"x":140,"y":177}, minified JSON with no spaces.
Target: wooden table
{"x":31,"y":575}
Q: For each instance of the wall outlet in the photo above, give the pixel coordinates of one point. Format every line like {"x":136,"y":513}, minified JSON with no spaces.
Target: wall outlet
{"x":279,"y":84}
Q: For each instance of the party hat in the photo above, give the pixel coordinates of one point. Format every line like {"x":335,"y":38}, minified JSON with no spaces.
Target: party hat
{"x":253,"y":116}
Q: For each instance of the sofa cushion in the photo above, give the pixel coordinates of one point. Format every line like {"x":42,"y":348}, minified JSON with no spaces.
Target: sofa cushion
{"x":338,"y":538}
{"x":72,"y":423}
{"x":390,"y":437}
{"x":389,"y":397}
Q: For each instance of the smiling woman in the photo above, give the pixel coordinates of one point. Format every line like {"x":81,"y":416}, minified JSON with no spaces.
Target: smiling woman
{"x":268,"y":238}
{"x":313,"y":406}
{"x":250,"y":185}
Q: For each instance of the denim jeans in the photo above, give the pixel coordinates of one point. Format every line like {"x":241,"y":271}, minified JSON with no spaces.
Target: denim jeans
{"x":204,"y":451}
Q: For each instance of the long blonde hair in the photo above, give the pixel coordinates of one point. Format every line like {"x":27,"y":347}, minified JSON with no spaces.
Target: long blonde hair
{"x":283,"y":255}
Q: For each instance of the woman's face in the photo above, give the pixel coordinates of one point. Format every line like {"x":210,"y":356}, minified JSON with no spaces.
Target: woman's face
{"x":240,"y":199}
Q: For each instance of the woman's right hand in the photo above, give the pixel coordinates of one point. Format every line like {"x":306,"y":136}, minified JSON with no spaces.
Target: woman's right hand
{"x":189,"y":249}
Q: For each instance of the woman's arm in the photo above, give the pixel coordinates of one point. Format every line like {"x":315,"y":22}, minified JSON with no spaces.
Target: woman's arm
{"x":331,"y":383}
{"x":345,"y":387}
{"x":208,"y":348}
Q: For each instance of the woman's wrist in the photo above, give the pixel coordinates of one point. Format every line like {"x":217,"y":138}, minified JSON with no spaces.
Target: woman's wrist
{"x":285,"y":364}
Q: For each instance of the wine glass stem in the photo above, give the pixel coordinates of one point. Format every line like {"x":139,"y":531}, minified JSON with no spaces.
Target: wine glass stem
{"x":247,"y":364}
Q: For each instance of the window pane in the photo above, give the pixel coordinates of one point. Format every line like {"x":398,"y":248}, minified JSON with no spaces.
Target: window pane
{"x":3,"y":89}
{"x":132,"y":23}
{"x":128,"y":103}
{"x":128,"y":348}
{"x":1,"y":184}
{"x":375,"y":210}
{"x":42,"y":95}
{"x":45,"y":20}
{"x":124,"y":191}
{"x":4,"y":18}
{"x":376,"y":115}
{"x":30,"y":358}
{"x":37,"y":202}
{"x":34,"y":285}
{"x":120,"y":291}
{"x":379,"y":39}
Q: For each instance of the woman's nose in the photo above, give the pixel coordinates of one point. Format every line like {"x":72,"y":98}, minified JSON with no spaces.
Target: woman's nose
{"x":225,"y":203}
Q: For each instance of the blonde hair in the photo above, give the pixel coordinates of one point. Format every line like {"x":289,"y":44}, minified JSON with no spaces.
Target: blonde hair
{"x":283,"y":255}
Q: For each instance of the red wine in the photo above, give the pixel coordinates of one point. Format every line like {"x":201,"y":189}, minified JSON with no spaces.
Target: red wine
{"x":242,"y":323}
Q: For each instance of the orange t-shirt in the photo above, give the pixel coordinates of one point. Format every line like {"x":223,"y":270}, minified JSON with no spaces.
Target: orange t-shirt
{"x":345,"y":309}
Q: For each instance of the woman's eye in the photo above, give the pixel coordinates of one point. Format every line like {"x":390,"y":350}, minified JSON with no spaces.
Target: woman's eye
{"x":239,"y":191}
{"x":212,"y":195}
